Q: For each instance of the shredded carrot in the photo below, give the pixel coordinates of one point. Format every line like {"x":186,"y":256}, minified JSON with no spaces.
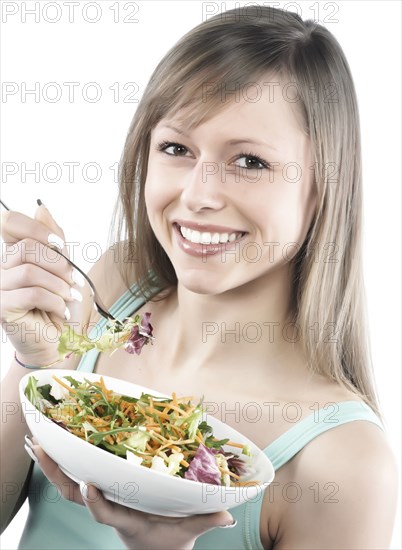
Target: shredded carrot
{"x":185,"y":399}
{"x":233,"y":444}
{"x":114,"y":419}
{"x":181,"y":411}
{"x":158,"y":413}
{"x":69,"y":388}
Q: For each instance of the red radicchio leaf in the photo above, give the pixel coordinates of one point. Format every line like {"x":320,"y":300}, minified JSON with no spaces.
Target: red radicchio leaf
{"x":236,"y":464}
{"x":140,"y":335}
{"x":203,"y":467}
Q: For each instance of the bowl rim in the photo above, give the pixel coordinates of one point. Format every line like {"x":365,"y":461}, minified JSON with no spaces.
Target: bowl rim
{"x":256,"y":451}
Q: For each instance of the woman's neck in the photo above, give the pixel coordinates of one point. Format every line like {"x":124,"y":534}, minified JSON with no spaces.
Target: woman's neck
{"x":248,"y":324}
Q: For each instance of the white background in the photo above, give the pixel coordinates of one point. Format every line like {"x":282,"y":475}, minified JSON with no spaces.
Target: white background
{"x":108,"y":52}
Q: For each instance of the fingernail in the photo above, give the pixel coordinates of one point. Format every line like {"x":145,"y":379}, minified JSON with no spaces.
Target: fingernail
{"x":31,"y":453}
{"x":55,"y":239}
{"x":67,"y":314}
{"x":84,"y":489}
{"x":233,"y":524}
{"x":40,"y":202}
{"x":76,"y":294}
{"x":77,"y":278}
{"x":28,"y":441}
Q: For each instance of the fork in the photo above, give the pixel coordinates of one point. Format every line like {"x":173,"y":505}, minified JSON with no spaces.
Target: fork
{"x":98,"y":304}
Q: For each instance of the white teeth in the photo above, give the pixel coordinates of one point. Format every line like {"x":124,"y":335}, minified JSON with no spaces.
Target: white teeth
{"x":195,"y":236}
{"x":208,"y":238}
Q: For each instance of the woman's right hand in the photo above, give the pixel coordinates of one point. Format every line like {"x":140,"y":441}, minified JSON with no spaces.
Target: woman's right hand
{"x":38,"y":293}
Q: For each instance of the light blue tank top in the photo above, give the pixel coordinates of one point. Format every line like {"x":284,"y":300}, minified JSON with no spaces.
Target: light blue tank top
{"x":57,"y":524}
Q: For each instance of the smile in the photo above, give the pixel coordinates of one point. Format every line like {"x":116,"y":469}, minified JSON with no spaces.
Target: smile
{"x":206,"y":237}
{"x":197,"y":241}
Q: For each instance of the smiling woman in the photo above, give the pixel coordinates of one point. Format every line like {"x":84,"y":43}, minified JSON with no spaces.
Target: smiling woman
{"x":195,"y":193}
{"x":241,"y":163}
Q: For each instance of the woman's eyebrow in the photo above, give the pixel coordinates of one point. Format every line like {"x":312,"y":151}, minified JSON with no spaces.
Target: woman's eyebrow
{"x":166,"y":125}
{"x":252,"y":141}
{"x":229,"y":142}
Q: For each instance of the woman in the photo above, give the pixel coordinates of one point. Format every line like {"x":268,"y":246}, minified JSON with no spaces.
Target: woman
{"x":241,"y":189}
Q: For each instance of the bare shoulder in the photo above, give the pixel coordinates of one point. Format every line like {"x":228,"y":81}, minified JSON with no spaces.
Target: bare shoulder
{"x":347,"y":479}
{"x":106,"y":274}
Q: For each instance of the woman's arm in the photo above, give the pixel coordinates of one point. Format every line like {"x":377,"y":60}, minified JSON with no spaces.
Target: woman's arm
{"x":20,"y":273}
{"x":15,"y":463}
{"x":347,"y":480}
{"x":30,"y":285}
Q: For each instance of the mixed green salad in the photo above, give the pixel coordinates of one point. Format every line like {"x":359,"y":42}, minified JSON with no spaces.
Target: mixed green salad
{"x":164,"y":434}
{"x":133,"y":334}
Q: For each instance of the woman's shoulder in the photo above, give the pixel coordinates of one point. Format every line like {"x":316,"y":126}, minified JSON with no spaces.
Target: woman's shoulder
{"x":345,"y":477}
{"x":107,"y":272}
{"x":352,"y":446}
{"x":113,"y":275}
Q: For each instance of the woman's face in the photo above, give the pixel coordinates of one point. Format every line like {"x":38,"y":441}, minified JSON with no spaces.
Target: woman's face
{"x":231,"y":200}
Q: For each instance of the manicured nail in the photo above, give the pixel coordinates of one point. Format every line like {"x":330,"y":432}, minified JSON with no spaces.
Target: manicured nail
{"x":233,"y":524}
{"x":39,"y":202}
{"x":28,"y":441}
{"x":31,"y":453}
{"x":55,"y":239}
{"x":67,"y":314}
{"x":77,"y":278}
{"x":84,"y":489}
{"x":76,"y":294}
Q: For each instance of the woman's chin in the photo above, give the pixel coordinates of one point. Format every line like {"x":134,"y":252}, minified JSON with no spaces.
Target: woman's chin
{"x":200,"y":282}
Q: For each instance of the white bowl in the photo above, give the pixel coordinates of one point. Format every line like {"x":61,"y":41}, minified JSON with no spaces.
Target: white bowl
{"x":132,"y":485}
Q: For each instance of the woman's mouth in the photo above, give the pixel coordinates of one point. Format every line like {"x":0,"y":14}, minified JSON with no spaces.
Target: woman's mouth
{"x":198,"y":243}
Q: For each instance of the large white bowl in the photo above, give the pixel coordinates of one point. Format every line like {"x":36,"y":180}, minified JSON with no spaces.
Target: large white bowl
{"x":136,"y":486}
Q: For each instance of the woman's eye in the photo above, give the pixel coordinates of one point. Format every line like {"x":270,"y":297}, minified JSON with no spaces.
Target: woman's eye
{"x":174,"y":149}
{"x":251,"y":162}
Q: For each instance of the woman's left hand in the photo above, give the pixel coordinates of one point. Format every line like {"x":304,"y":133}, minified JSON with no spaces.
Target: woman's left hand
{"x":137,"y":530}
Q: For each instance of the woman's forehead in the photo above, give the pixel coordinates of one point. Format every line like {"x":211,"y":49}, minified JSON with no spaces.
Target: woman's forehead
{"x":255,"y":108}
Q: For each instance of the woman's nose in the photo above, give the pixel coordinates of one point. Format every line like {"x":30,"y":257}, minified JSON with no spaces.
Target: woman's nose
{"x":203,"y":187}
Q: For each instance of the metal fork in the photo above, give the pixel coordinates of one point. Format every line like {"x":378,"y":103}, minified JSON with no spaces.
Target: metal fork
{"x":98,"y":304}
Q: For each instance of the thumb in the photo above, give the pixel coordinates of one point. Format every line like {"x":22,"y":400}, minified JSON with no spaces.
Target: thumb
{"x":43,"y":215}
{"x":197,"y":525}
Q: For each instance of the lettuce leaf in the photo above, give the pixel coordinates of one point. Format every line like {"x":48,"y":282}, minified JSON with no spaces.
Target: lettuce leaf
{"x":71,"y":342}
{"x":192,"y":422}
{"x":33,"y":393}
{"x":135,"y":332}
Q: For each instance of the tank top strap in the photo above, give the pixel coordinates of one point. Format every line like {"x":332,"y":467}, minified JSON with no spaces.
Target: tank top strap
{"x":125,"y":306}
{"x":287,"y":445}
{"x":293,"y":440}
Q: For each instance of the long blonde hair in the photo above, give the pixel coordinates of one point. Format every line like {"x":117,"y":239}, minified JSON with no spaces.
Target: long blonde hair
{"x":231,"y":50}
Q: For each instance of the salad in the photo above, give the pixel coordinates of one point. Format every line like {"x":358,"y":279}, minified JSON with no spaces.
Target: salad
{"x":133,"y":334}
{"x":167,"y":435}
